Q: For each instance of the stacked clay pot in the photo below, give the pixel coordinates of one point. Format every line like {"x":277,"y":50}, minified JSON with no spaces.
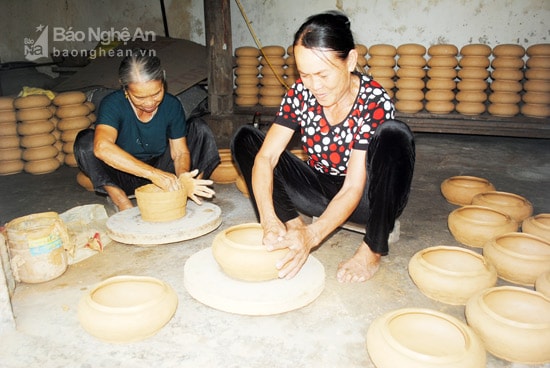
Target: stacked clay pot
{"x":226,"y":172}
{"x":473,"y":74}
{"x":410,"y":77}
{"x":506,"y":86}
{"x":272,"y":85}
{"x":291,"y":73}
{"x":72,"y":111}
{"x":362,"y":52}
{"x":10,"y":152}
{"x":536,"y":86}
{"x":442,"y":78}
{"x":35,"y":127}
{"x":247,"y":76}
{"x":381,"y":63}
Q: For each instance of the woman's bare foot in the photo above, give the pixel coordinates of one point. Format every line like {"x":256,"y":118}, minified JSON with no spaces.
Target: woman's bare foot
{"x":119,"y":198}
{"x":359,"y":268}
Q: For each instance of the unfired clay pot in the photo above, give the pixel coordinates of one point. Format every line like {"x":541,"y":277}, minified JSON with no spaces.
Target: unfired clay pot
{"x":226,"y":172}
{"x":537,"y":225}
{"x":475,"y":225}
{"x":157,"y":205}
{"x":423,"y":338}
{"x":513,"y":322}
{"x":460,"y":190}
{"x":542,"y":283}
{"x":518,"y":257}
{"x":240,"y":253}
{"x":124,"y":309}
{"x":451,"y":274}
{"x":516,"y":206}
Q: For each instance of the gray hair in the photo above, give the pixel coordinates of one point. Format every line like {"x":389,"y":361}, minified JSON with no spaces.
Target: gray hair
{"x":140,"y":66}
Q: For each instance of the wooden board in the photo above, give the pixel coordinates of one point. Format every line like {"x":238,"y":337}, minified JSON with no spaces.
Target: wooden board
{"x":128,"y":227}
{"x":206,"y":282}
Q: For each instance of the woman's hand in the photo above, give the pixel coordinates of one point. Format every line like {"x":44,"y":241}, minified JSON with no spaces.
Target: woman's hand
{"x":195,"y":186}
{"x":298,"y":240}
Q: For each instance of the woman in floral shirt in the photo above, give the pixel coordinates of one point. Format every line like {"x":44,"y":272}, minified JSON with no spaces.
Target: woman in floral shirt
{"x":360,"y":160}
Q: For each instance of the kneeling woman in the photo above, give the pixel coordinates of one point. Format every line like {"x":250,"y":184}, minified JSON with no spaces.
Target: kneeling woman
{"x":360,"y":160}
{"x":142,"y":136}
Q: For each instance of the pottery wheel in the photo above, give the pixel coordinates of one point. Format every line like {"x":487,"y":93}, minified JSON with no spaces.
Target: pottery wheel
{"x":206,"y":282}
{"x":128,"y":227}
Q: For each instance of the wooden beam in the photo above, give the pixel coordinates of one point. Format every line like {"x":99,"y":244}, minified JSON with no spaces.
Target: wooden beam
{"x":217,"y":19}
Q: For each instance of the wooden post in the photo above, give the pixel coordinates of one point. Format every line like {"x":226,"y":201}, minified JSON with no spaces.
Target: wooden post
{"x":217,"y":20}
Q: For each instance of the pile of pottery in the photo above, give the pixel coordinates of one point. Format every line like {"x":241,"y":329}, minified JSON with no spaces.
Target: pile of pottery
{"x":247,"y":76}
{"x":442,"y":67}
{"x":537,"y":82}
{"x":74,"y":114}
{"x":272,"y":71}
{"x":410,"y":77}
{"x":36,"y":130}
{"x":10,"y":151}
{"x":506,"y":77}
{"x":472,"y":74}
{"x":381,"y":63}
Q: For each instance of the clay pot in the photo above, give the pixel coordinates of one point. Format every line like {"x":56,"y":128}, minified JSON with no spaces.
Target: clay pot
{"x":300,"y":153}
{"x":516,"y":206}
{"x":542,"y":283}
{"x":538,"y":225}
{"x":513,"y":322}
{"x":451,"y":274}
{"x":157,"y":205}
{"x":226,"y":172}
{"x":423,"y":338}
{"x":518,"y":257}
{"x":460,"y":190}
{"x":124,"y":309}
{"x":475,"y":225}
{"x":240,"y":183}
{"x":240,"y":253}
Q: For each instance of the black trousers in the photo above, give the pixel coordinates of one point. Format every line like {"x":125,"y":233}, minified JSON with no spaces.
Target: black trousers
{"x":297,"y":188}
{"x":200,"y":140}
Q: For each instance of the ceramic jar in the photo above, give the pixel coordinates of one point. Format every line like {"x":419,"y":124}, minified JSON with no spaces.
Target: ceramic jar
{"x":124,"y":309}
{"x":542,"y":283}
{"x":518,"y":257}
{"x":451,"y":274}
{"x":537,"y":225}
{"x":513,"y":323}
{"x":475,"y":225}
{"x":460,"y":190}
{"x":157,"y":205}
{"x":241,"y":255}
{"x":226,"y":172}
{"x":516,"y":206}
{"x":423,"y":338}
{"x":240,"y":183}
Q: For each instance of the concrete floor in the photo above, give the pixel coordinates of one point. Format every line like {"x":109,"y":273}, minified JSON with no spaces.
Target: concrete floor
{"x":330,"y":332}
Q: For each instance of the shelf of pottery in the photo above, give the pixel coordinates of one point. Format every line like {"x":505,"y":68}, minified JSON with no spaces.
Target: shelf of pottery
{"x":508,"y":82}
{"x":37,"y":131}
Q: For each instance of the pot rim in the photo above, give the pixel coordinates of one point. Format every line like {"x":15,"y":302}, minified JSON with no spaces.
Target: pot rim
{"x":251,"y":225}
{"x":120,"y":279}
{"x":464,"y":331}
{"x":458,"y":212}
{"x":481,"y":301}
{"x":494,"y":242}
{"x":420,"y":257}
{"x":469,"y":178}
{"x":523,"y":200}
{"x":534,"y":220}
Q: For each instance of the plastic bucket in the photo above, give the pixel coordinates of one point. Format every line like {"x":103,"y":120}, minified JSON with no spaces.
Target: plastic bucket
{"x":36,"y":244}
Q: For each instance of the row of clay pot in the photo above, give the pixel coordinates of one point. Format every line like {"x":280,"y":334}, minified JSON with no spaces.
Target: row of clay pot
{"x":471,"y":81}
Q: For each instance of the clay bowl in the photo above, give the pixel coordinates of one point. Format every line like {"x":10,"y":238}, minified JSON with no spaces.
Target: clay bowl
{"x":513,"y":322}
{"x":516,"y":206}
{"x":241,"y":255}
{"x":460,"y":190}
{"x":157,"y":205}
{"x":421,"y":338}
{"x":537,"y":225}
{"x":475,"y":225}
{"x":124,"y":309}
{"x":542,"y":284}
{"x":226,"y":172}
{"x":300,"y":153}
{"x":451,"y":274}
{"x":518,"y":257}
